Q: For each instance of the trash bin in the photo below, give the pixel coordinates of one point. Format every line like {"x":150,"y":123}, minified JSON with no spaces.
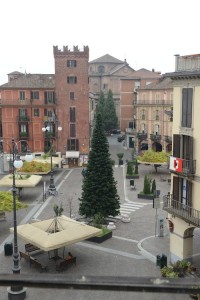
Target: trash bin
{"x":158,"y":260}
{"x":163,"y":261}
{"x":132,"y":182}
{"x":8,"y":249}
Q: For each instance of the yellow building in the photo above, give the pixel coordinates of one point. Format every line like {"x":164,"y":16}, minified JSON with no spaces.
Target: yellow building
{"x":183,"y":203}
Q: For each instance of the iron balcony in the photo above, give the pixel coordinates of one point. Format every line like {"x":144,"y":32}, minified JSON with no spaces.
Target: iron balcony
{"x":184,"y":212}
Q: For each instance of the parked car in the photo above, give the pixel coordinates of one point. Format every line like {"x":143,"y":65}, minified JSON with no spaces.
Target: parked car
{"x":115,"y":131}
{"x":121,"y":138}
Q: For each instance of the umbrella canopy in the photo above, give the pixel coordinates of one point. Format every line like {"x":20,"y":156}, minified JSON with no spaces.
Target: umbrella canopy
{"x":21,"y":180}
{"x":55,"y":233}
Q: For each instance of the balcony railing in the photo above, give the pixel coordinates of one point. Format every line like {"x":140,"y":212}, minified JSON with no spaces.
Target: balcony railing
{"x":168,"y":139}
{"x":142,"y":136}
{"x":188,"y":166}
{"x":23,"y":135}
{"x":131,"y":130}
{"x":185,"y":212}
{"x":155,"y":137}
{"x":23,"y":119}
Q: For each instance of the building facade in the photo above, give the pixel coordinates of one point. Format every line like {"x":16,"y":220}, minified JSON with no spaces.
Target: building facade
{"x":182,"y":203}
{"x":153,"y":116}
{"x":29,"y":102}
{"x":105,"y":73}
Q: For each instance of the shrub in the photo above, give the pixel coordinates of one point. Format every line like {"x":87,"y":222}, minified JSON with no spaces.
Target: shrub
{"x":129,"y":169}
{"x":153,"y":187}
{"x":147,"y":185}
{"x":136,"y":166}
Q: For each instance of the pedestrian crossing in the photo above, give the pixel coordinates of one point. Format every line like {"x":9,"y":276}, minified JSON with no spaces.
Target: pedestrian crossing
{"x":129,"y":206}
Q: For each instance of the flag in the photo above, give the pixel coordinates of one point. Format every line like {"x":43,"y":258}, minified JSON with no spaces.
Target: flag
{"x":176,"y":164}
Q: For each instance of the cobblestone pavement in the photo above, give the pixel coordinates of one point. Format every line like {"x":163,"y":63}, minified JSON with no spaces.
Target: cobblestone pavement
{"x":131,"y":252}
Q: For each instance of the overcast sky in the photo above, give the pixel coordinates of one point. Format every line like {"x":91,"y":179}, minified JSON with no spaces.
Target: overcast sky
{"x":147,"y":33}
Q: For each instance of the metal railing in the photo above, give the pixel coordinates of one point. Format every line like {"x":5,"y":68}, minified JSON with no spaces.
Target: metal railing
{"x":104,"y":283}
{"x":23,"y":119}
{"x":181,"y":210}
{"x":142,"y":136}
{"x":155,"y":137}
{"x":168,"y":139}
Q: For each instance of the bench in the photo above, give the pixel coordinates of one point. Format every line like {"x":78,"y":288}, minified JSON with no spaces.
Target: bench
{"x":32,"y":261}
{"x":61,"y":265}
{"x":30,"y":248}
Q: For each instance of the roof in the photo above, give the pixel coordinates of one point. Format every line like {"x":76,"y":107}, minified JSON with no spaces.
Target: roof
{"x":183,"y":75}
{"x":35,"y":81}
{"x":144,"y":73}
{"x":163,"y":84}
{"x":106,"y":59}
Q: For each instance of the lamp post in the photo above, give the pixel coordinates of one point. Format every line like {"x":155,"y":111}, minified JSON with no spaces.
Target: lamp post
{"x":52,"y":188}
{"x":16,"y":292}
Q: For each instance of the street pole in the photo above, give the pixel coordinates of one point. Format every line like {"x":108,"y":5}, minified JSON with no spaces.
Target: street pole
{"x":17,"y":292}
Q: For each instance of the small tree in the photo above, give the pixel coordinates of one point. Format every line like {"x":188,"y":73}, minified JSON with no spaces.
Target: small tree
{"x":120,"y":156}
{"x":129,"y":169}
{"x":153,"y":187}
{"x":136,"y":167}
{"x":58,"y":210}
{"x":147,"y":185}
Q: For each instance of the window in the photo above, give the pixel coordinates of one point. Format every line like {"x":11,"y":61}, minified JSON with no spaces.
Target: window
{"x":143,"y":114}
{"x":21,"y":95}
{"x":71,"y":95}
{"x":72,"y":114}
{"x":157,"y":115}
{"x":23,"y":128}
{"x":182,"y":191}
{"x":72,"y":130}
{"x":36,"y":112}
{"x":130,"y":125}
{"x":157,"y":98}
{"x":143,"y":98}
{"x":49,"y":97}
{"x":187,"y":95}
{"x":48,"y":113}
{"x":22,"y":112}
{"x":72,"y":145}
{"x":101,"y":69}
{"x":71,"y":63}
{"x":34,"y":95}
{"x":71,"y":79}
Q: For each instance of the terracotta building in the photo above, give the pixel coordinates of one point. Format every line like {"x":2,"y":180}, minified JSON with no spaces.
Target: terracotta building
{"x":183,"y":203}
{"x":29,"y":102}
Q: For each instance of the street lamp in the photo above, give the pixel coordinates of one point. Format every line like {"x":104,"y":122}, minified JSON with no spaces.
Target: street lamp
{"x":52,"y":188}
{"x":16,"y":292}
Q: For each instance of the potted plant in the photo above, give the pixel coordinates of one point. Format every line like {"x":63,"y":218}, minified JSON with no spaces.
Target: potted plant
{"x":105,"y":234}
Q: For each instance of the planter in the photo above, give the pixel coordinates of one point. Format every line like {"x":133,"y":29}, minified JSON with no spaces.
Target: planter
{"x":100,"y":239}
{"x":146,"y":197}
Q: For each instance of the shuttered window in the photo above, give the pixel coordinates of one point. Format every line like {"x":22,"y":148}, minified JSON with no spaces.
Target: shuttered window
{"x":176,"y":145}
{"x":176,"y":188}
{"x":72,"y":130}
{"x":187,"y":147}
{"x":187,"y":95}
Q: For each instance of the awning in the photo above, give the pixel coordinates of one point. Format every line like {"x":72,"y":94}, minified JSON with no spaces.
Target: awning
{"x":72,"y":154}
{"x":55,"y":233}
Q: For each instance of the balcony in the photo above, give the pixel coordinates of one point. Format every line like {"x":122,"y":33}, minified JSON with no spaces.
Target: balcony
{"x":23,"y":135}
{"x":130,"y":130}
{"x":185,"y":167}
{"x":184,"y":212}
{"x":168,"y":139}
{"x":155,"y":137}
{"x":22,"y":119}
{"x":141,"y":136}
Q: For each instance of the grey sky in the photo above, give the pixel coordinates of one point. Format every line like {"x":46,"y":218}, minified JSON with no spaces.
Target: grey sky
{"x":147,"y":33}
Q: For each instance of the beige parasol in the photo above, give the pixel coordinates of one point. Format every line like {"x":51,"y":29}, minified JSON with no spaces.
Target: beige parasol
{"x":55,"y":233}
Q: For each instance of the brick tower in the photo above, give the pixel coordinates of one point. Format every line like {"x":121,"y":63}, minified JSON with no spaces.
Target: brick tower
{"x":72,"y":99}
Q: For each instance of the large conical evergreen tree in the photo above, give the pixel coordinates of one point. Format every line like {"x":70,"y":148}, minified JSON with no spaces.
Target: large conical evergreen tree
{"x":99,"y":191}
{"x":110,"y":118}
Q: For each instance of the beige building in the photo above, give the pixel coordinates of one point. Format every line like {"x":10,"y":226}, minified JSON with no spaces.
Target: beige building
{"x":105,"y":73}
{"x":153,"y":116}
{"x":183,"y":203}
{"x":128,"y":101}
